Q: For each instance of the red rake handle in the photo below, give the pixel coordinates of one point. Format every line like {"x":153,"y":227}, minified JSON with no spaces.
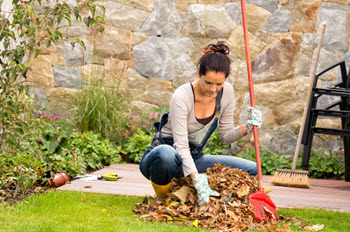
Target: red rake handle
{"x":251,"y":92}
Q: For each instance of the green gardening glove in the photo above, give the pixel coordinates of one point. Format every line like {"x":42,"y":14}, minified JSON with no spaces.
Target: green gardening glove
{"x":200,"y":182}
{"x":254,"y":119}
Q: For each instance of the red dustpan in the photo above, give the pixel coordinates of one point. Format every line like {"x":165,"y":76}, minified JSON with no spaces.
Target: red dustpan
{"x":264,"y":209}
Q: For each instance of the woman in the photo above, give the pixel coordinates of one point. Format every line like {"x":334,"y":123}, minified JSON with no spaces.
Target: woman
{"x":196,"y":110}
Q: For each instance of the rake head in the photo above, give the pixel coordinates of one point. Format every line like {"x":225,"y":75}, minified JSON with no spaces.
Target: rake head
{"x":264,"y":209}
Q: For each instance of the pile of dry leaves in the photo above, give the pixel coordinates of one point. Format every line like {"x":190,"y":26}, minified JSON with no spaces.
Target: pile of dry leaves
{"x":229,"y":212}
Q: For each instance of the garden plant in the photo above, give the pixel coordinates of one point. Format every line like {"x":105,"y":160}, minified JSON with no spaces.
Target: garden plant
{"x":25,"y":29}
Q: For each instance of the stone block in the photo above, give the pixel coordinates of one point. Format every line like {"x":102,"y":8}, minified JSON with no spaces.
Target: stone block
{"x":307,"y":45}
{"x":40,"y":98}
{"x":305,"y":16}
{"x":340,"y":18}
{"x":67,"y":77}
{"x":279,"y":139}
{"x":146,"y":5}
{"x":164,"y":21}
{"x":123,"y":16}
{"x":288,"y":111}
{"x":279,"y":21}
{"x":75,"y":54}
{"x":153,"y":59}
{"x":135,"y":80}
{"x":182,"y":5}
{"x":236,"y":41}
{"x":234,"y":11}
{"x":277,"y":60}
{"x":138,"y":37}
{"x":158,"y":92}
{"x":256,"y":17}
{"x":275,"y":93}
{"x":210,"y":20}
{"x":41,"y":73}
{"x":270,"y":5}
{"x":185,"y":71}
{"x":114,"y":42}
{"x":179,"y":46}
{"x":302,"y":65}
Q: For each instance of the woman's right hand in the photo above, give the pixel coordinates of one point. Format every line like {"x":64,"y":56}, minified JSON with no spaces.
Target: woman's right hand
{"x":200,"y":182}
{"x":254,"y":119}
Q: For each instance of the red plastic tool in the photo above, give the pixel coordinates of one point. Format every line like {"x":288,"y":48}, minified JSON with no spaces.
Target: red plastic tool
{"x":264,"y":209}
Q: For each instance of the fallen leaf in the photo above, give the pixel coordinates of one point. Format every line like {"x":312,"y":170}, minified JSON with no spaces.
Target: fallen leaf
{"x":286,"y":228}
{"x":88,"y":186}
{"x":83,"y":199}
{"x":316,"y":227}
{"x":243,"y":191}
{"x":173,"y":203}
{"x":269,"y":212}
{"x":195,"y":223}
{"x":182,"y":193}
{"x":299,"y":223}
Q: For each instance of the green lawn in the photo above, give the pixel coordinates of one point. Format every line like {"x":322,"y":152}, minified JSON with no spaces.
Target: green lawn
{"x":78,"y":211}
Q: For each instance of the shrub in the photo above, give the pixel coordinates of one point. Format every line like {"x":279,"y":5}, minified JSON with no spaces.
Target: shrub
{"x":91,"y":151}
{"x":24,"y":31}
{"x":136,"y":146}
{"x":324,"y":166}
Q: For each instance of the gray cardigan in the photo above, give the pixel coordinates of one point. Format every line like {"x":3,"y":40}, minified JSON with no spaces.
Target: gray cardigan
{"x":182,"y":122}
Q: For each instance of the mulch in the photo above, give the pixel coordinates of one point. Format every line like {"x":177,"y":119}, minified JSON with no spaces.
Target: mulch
{"x":7,"y":194}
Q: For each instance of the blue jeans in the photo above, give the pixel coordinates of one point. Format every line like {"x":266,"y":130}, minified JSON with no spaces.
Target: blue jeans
{"x":163,"y":163}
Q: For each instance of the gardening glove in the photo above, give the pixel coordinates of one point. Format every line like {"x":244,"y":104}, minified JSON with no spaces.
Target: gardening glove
{"x":254,"y":119}
{"x":200,"y":182}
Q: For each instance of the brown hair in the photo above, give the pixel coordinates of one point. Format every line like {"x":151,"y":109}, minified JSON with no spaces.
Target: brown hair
{"x":215,"y":58}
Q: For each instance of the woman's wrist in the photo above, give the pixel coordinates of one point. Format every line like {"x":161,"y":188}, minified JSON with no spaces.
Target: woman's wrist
{"x":243,"y":130}
{"x":193,"y":174}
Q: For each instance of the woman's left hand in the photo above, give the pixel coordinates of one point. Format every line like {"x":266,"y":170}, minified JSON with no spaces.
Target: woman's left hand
{"x":254,"y":119}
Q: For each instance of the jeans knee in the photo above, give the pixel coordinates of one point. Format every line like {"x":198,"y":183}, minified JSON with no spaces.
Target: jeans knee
{"x":252,"y":169}
{"x":164,"y":155}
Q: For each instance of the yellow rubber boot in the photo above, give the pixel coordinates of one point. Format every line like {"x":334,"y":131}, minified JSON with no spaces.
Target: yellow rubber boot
{"x":161,"y":190}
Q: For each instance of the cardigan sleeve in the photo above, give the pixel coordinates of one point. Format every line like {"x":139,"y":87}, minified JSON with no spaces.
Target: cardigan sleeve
{"x":228,"y":132}
{"x":179,"y":112}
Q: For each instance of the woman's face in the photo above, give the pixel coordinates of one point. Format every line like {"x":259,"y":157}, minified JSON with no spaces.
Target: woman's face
{"x":212,"y":82}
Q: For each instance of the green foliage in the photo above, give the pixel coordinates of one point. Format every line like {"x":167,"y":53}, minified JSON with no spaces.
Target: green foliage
{"x":325,"y":166}
{"x":320,"y":165}
{"x":91,"y":151}
{"x":101,"y":110}
{"x":136,"y":146}
{"x":269,"y":162}
{"x":55,"y":135}
{"x":23,"y":170}
{"x":68,"y":152}
{"x":215,"y":145}
{"x":24,"y":30}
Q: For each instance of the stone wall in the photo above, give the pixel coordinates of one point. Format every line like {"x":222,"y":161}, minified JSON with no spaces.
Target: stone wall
{"x":150,"y":48}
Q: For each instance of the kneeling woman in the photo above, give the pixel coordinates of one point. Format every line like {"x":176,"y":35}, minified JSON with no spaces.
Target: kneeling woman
{"x":196,"y":110}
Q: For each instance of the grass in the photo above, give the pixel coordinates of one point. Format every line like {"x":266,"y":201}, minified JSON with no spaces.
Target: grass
{"x":101,"y":109}
{"x":79,"y":211}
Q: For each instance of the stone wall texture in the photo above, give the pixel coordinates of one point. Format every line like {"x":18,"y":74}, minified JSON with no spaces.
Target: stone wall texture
{"x":150,"y":47}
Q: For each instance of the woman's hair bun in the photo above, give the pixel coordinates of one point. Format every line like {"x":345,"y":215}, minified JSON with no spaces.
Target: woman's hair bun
{"x":218,"y":47}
